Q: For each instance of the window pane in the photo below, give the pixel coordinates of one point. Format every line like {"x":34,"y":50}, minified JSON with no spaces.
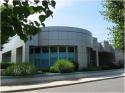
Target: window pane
{"x":44,"y":60}
{"x":37,"y":50}
{"x":71,"y":53}
{"x":45,"y":57}
{"x":31,"y":50}
{"x":62,"y":52}
{"x":40,"y":60}
{"x":53,"y":55}
{"x":62,"y":49}
{"x":71,"y":56}
{"x":45,"y":49}
{"x":53,"y":49}
{"x":70,"y":49}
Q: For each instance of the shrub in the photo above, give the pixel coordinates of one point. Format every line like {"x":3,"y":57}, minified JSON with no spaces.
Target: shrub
{"x":54,"y":69}
{"x":43,"y":70}
{"x":76,"y":65}
{"x":4,"y":65}
{"x":62,"y":66}
{"x":20,"y":69}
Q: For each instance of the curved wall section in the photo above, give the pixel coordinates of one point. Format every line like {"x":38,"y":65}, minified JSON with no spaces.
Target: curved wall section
{"x":68,"y":36}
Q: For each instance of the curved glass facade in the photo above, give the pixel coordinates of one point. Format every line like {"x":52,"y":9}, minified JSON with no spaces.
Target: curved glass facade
{"x":43,"y":57}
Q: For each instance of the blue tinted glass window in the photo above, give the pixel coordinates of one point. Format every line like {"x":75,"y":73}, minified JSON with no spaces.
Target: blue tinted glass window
{"x":70,"y":49}
{"x":71,"y":54}
{"x":53,"y":55}
{"x":62,"y":49}
{"x":44,"y":60}
{"x":62,"y":52}
{"x":44,"y":57}
{"x":45,"y":50}
{"x":31,"y":51}
{"x":37,"y":50}
{"x":40,"y":59}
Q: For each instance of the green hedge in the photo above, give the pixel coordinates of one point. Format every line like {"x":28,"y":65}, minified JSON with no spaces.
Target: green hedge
{"x":62,"y":66}
{"x":4,"y":65}
{"x":76,"y":65}
{"x":20,"y":69}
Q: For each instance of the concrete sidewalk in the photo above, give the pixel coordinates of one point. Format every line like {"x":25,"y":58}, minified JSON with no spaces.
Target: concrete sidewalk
{"x":56,"y":83}
{"x":50,"y":77}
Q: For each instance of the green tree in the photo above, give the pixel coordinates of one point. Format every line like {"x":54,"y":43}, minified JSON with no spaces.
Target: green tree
{"x":114,"y":12}
{"x":14,"y":17}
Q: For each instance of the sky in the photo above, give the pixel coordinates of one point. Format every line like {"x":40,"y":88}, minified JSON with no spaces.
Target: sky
{"x":80,"y":13}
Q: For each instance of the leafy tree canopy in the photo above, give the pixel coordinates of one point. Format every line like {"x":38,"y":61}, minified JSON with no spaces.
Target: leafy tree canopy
{"x":14,"y":17}
{"x":114,"y":12}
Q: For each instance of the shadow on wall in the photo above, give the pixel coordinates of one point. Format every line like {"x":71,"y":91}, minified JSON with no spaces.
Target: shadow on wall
{"x":6,"y":57}
{"x":106,"y":58}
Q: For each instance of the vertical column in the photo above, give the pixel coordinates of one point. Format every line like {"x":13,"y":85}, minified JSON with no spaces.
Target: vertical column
{"x":67,"y":53}
{"x":82,"y":58}
{"x":84,"y":52}
{"x":26,"y":52}
{"x":58,"y":52}
{"x":13,"y":55}
{"x":49,"y":56}
{"x":74,"y":54}
{"x":97,"y":58}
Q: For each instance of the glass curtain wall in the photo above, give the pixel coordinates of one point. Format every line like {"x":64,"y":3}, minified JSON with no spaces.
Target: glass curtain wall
{"x":71,"y":54}
{"x":62,"y":53}
{"x":39,"y":56}
{"x":53,"y":55}
{"x":43,"y":57}
{"x":35,"y":56}
{"x":31,"y":55}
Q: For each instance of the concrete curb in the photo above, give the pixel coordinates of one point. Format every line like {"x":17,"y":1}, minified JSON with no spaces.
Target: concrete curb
{"x":61,"y":84}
